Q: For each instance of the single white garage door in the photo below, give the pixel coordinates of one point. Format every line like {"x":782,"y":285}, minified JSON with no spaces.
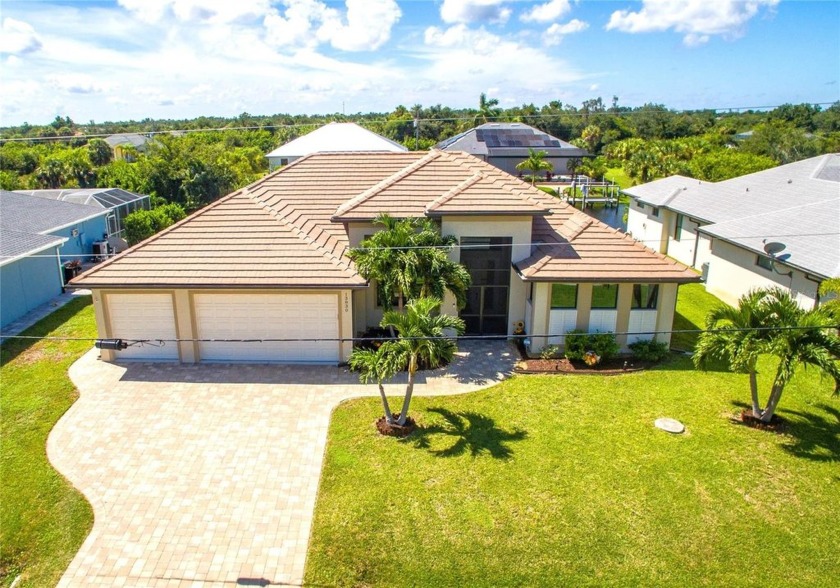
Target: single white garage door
{"x":143,"y":316}
{"x":234,"y":317}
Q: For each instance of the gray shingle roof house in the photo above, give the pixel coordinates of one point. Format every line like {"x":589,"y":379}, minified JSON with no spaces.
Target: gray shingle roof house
{"x":241,"y":279}
{"x":724,"y":227}
{"x":506,"y":144}
{"x":332,"y":137}
{"x":118,"y":202}
{"x":36,"y":236}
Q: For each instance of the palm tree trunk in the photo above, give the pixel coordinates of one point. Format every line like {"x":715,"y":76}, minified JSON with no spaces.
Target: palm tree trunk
{"x":756,"y":407}
{"x":772,"y":402}
{"x":389,"y":418}
{"x":409,"y":390}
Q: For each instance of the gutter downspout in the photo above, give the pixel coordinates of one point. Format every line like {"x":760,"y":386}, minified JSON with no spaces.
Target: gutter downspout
{"x":696,"y":244}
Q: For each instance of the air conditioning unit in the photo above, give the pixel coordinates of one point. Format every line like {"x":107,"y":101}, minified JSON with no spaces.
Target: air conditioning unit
{"x":704,"y":272}
{"x":100,"y":250}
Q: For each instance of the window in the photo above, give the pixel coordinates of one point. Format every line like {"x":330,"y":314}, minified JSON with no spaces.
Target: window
{"x":764,"y":262}
{"x":604,"y":296}
{"x":640,"y":205}
{"x":678,"y":227}
{"x":564,"y":295}
{"x":530,"y":291}
{"x":655,"y":211}
{"x":645,"y":296}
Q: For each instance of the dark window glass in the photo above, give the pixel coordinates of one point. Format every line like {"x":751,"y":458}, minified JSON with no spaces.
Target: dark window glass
{"x":645,"y":296}
{"x":604,"y":296}
{"x":655,"y":211}
{"x":564,"y":295}
{"x":678,"y":227}
{"x":764,"y":261}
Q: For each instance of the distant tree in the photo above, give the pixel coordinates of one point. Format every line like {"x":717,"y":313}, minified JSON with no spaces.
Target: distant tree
{"x":121,"y":174}
{"x":723,"y":164}
{"x":487,"y":109}
{"x":142,"y":224}
{"x":9,"y":181}
{"x":100,"y":152}
{"x":51,"y":173}
{"x":535,"y":163}
{"x":781,"y":141}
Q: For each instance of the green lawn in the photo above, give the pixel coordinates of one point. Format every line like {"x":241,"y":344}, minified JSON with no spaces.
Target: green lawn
{"x":619,"y":176}
{"x":693,"y":304}
{"x":563,"y":480}
{"x":43,"y":520}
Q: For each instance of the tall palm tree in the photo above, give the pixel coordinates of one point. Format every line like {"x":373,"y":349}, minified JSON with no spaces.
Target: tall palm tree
{"x":487,"y":109}
{"x":535,"y":163}
{"x":421,"y":338}
{"x":769,"y":322}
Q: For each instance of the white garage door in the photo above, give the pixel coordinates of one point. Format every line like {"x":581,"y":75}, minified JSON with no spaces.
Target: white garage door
{"x":143,"y":316}
{"x":268,"y":316}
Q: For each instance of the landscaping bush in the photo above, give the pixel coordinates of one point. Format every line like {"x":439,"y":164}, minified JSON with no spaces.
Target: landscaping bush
{"x":649,"y":350}
{"x":549,"y":351}
{"x":579,"y":342}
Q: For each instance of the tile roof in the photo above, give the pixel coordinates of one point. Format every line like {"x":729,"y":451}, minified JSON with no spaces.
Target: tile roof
{"x":283,"y":230}
{"x":337,"y":137}
{"x":796,"y":204}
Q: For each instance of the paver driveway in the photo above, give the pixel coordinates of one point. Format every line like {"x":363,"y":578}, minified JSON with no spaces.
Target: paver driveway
{"x":207,"y":475}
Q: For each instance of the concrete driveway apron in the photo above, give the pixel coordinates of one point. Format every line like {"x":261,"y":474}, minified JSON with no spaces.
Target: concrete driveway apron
{"x":207,"y":475}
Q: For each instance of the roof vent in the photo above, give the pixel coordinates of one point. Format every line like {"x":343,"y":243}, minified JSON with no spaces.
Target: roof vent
{"x":790,"y":181}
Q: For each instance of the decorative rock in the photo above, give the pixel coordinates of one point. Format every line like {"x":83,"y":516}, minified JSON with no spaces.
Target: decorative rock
{"x":670,"y":425}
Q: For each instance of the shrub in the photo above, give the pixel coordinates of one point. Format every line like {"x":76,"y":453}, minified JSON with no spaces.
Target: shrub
{"x":549,"y":351}
{"x":649,"y":350}
{"x":579,"y":342}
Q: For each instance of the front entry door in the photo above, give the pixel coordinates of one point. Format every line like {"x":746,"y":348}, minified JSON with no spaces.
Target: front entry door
{"x":488,"y":261}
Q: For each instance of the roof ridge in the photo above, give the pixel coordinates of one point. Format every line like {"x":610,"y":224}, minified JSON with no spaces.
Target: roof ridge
{"x":299,"y":232}
{"x":444,"y":198}
{"x":386,"y":183}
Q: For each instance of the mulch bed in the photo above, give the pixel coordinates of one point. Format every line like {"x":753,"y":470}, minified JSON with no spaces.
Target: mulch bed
{"x":405,"y":430}
{"x":611,"y":367}
{"x":777,"y":424}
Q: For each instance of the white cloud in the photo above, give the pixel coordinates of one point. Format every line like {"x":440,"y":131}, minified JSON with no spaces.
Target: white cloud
{"x":548,"y":12}
{"x":697,"y":19}
{"x":18,"y":37}
{"x":469,"y":11}
{"x":76,"y":84}
{"x":555,"y":33}
{"x":307,"y":23}
{"x":209,"y":11}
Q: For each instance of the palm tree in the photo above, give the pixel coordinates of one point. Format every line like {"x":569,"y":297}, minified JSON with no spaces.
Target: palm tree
{"x":377,"y":365}
{"x":487,"y":110}
{"x":421,"y":338}
{"x":410,"y":259}
{"x":535,"y":164}
{"x":769,"y":322}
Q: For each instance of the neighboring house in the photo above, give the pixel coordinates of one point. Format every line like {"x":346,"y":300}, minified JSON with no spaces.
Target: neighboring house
{"x":504,"y":145}
{"x":38,"y":235}
{"x":255,"y":275}
{"x":119,"y":142}
{"x":118,"y":202}
{"x":725,"y":229}
{"x":344,"y":137}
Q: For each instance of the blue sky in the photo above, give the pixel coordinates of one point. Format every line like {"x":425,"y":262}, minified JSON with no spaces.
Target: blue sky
{"x":132,"y":59}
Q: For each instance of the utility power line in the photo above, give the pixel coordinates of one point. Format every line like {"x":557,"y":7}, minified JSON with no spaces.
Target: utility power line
{"x":363,"y":121}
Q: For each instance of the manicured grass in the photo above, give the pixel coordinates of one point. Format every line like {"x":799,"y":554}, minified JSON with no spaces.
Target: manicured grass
{"x":619,"y":176}
{"x":693,"y":304}
{"x":43,"y":519}
{"x":563,"y":480}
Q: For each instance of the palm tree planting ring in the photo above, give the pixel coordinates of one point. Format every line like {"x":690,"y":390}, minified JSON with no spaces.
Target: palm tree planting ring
{"x":670,"y":425}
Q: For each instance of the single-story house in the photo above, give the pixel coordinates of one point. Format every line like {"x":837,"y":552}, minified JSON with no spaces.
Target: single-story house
{"x":504,"y":145}
{"x":263,"y":274}
{"x":344,"y":137}
{"x":777,"y":227}
{"x":38,"y":235}
{"x":118,"y":202}
{"x":123,"y":143}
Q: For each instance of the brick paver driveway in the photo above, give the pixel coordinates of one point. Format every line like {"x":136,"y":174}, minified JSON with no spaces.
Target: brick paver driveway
{"x":207,"y":475}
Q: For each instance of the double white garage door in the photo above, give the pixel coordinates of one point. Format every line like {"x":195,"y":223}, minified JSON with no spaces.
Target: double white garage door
{"x":293,"y":328}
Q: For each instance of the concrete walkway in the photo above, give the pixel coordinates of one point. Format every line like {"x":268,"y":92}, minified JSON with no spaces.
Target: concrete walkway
{"x":208,"y":475}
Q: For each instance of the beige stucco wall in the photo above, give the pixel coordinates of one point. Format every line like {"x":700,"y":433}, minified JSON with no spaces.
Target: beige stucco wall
{"x":733,"y":272}
{"x":518,"y":228}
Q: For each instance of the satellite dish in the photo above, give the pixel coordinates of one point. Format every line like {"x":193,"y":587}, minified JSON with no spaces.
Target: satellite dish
{"x":773,"y":248}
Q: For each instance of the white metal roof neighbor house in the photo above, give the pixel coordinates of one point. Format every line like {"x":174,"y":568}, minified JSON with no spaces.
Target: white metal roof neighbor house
{"x":345,"y":137}
{"x":506,"y":144}
{"x":779,"y":226}
{"x":263,"y":274}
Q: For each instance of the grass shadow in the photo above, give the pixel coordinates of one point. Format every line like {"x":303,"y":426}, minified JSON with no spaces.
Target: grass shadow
{"x":471,"y":432}
{"x":814,"y":436}
{"x":684,"y":341}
